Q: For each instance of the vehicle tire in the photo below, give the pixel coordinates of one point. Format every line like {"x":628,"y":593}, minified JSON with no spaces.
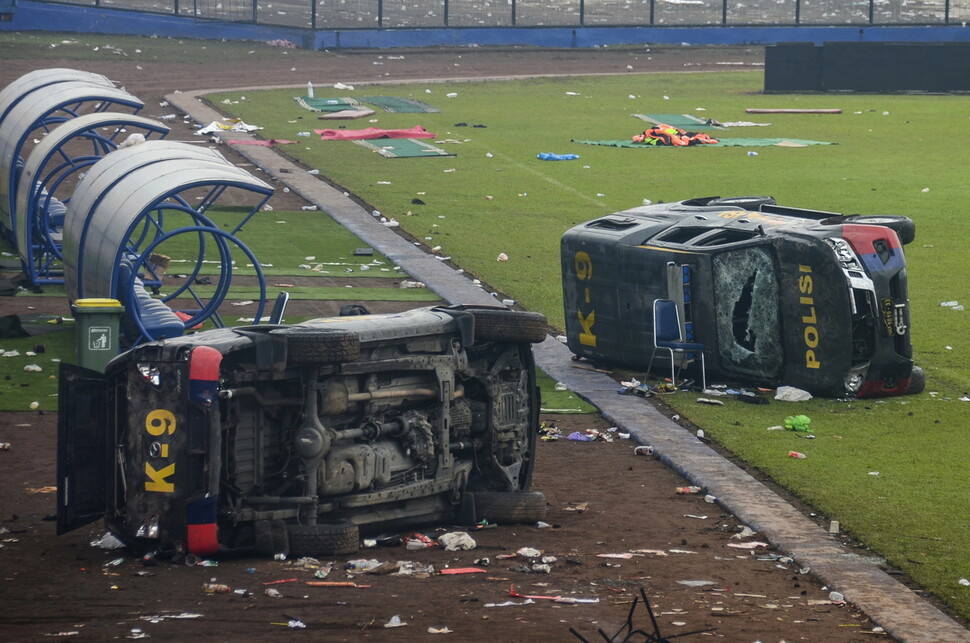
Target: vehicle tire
{"x":509,"y":507}
{"x":497,"y":324}
{"x":744,"y":202}
{"x":319,"y":345}
{"x":327,"y":539}
{"x":917,"y":381}
{"x":904,"y":227}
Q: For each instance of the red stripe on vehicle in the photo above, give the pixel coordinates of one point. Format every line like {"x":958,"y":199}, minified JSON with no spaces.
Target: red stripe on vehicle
{"x":202,"y":539}
{"x":204,"y":363}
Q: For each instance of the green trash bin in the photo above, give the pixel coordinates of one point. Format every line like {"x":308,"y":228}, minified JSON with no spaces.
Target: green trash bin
{"x":98,"y":322}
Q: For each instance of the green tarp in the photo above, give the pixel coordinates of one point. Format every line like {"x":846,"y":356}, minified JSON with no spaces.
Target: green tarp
{"x":327,"y":104}
{"x":401,"y":105}
{"x":397,"y":148}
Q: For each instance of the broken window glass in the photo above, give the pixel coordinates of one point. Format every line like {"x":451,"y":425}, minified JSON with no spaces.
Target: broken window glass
{"x":747,"y":312}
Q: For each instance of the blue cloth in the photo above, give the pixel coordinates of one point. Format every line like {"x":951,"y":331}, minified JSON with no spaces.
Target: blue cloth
{"x":549,"y":156}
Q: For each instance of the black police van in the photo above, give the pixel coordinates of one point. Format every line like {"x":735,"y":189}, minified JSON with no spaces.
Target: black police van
{"x":777,"y":295}
{"x":294,"y":439}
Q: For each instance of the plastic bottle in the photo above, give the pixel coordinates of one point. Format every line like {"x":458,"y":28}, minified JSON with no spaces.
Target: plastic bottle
{"x":796,"y":454}
{"x":689,"y":490}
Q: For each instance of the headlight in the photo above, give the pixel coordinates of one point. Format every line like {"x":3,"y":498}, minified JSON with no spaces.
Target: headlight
{"x":844,"y":253}
{"x":854,"y":380}
{"x":151,"y":374}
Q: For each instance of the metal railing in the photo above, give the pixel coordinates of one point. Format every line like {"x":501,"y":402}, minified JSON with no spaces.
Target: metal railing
{"x":425,"y":14}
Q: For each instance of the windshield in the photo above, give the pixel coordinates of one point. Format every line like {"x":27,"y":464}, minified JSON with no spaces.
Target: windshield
{"x":747,"y":312}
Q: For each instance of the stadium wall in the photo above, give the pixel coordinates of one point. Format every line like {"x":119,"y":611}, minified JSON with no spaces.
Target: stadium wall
{"x":43,"y":16}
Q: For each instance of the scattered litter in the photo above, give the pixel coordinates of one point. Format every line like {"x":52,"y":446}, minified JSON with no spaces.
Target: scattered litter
{"x":746,"y":532}
{"x":695,"y":516}
{"x":439,"y":630}
{"x":621,"y":556}
{"x":527,"y":601}
{"x":334,"y":583}
{"x":964,"y":582}
{"x":529,"y":552}
{"x":272,"y":592}
{"x":158,"y":618}
{"x":502,"y":257}
{"x":418,"y":541}
{"x":797,"y":423}
{"x":555,"y":598}
{"x":549,"y":156}
{"x":643,"y":450}
{"x":655,"y":552}
{"x":108,"y":542}
{"x":688,"y":490}
{"x":792,"y":394}
{"x":705,"y":400}
{"x":395,"y":622}
{"x":754,"y":544}
{"x":797,"y":455}
{"x":462,"y":570}
{"x":456,"y":540}
{"x":576,"y":506}
{"x":361,"y":565}
{"x":696,"y":583}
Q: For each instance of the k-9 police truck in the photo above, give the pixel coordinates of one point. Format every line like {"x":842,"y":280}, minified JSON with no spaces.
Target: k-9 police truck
{"x":295,"y":439}
{"x":777,"y":295}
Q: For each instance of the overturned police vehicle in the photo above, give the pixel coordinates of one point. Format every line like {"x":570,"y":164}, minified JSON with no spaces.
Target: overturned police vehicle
{"x":767,"y":294}
{"x":295,"y":439}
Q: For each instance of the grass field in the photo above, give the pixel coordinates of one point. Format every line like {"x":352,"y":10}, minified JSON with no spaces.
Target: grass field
{"x":893,"y":472}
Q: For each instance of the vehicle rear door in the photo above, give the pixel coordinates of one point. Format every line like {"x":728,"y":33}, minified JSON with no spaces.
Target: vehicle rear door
{"x":83,"y":451}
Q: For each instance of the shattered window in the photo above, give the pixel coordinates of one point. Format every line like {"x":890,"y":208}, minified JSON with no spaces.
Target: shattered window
{"x":747,"y":312}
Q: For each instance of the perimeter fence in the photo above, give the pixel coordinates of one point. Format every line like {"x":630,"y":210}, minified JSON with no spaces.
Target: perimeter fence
{"x":431,"y":14}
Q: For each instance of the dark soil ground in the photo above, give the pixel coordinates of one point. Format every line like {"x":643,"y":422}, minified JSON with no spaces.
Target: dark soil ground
{"x":602,"y":499}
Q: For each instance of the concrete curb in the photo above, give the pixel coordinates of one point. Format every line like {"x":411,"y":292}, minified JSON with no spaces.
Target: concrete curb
{"x":903,"y":614}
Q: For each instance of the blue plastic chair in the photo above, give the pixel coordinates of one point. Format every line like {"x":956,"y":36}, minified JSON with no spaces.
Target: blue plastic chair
{"x":668,"y":334}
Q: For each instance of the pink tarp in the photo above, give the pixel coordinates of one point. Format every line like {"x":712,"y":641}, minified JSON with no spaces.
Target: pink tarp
{"x":372,"y":132}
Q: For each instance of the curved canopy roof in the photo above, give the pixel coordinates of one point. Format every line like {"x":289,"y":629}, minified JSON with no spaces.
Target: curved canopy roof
{"x":44,"y":109}
{"x":40,"y":78}
{"x":51,"y":162}
{"x":136,"y":184}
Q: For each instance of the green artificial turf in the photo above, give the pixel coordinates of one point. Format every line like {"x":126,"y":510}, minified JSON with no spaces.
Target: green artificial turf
{"x":893,"y":472}
{"x":21,"y":384}
{"x":302,"y":243}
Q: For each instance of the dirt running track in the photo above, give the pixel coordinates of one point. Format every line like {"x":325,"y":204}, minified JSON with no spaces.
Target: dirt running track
{"x":602,"y":499}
